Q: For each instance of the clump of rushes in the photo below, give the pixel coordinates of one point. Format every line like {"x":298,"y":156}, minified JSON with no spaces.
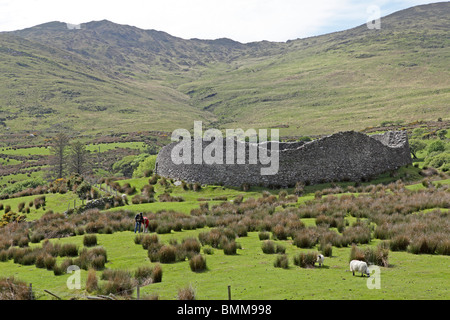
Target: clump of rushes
{"x":197,"y":263}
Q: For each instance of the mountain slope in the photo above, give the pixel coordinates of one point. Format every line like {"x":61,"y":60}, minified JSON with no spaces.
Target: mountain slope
{"x":116,"y":77}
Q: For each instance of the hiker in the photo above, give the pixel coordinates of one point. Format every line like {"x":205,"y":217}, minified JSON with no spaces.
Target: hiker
{"x":146,"y":224}
{"x":138,"y":218}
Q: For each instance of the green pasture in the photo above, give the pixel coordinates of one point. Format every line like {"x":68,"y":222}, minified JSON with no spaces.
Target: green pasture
{"x":252,"y":275}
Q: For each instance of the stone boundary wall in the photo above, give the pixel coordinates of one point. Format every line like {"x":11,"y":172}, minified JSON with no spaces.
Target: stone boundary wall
{"x":343,"y":156}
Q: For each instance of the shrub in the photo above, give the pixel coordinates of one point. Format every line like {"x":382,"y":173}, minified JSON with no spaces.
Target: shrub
{"x":422,"y":244}
{"x":305,"y":260}
{"x":49,"y":262}
{"x":327,"y":249}
{"x":187,"y":293}
{"x":157,"y":273}
{"x":206,"y":250}
{"x":279,"y":232}
{"x":12,"y":289}
{"x":143,"y":274}
{"x":197,"y":263}
{"x":90,"y":240}
{"x":436,"y":146}
{"x":443,"y":247}
{"x":191,"y":245}
{"x":304,"y":239}
{"x":167,"y":254}
{"x":229,"y":247}
{"x":92,"y":258}
{"x":264,"y":235}
{"x":377,"y":256}
{"x":62,"y":268}
{"x":148,"y":240}
{"x":281,"y":261}
{"x":37,"y":237}
{"x":119,"y":283}
{"x":91,"y":281}
{"x":399,"y":242}
{"x":268,"y":247}
{"x":68,"y":250}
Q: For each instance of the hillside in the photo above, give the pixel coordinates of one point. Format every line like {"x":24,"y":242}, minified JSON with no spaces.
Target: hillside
{"x":107,"y":77}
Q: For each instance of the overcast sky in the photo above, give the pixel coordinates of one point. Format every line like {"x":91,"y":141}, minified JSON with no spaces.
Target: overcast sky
{"x":240,"y":20}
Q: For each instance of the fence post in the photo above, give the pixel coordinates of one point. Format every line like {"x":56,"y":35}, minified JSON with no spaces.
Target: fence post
{"x":229,"y":292}
{"x":138,"y":292}
{"x":31,"y":291}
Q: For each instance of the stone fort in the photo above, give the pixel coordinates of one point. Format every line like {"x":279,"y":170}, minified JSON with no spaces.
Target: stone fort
{"x":343,"y":156}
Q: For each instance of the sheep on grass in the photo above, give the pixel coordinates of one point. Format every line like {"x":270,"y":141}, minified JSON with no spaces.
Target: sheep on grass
{"x":359,"y":266}
{"x":320,"y":259}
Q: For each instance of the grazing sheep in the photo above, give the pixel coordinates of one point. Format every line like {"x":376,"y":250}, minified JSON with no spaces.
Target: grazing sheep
{"x":360,"y":266}
{"x":320,"y":259}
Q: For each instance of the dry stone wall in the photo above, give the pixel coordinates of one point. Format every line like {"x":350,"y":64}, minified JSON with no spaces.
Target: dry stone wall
{"x":344,"y":156}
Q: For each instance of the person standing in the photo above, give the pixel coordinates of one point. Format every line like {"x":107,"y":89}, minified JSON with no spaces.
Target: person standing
{"x":138,"y":218}
{"x":145,"y":224}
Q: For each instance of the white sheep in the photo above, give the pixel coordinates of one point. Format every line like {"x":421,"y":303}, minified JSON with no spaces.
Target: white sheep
{"x":320,"y":259}
{"x":359,"y":266}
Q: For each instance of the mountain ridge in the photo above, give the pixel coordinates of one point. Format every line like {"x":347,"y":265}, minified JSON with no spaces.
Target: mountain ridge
{"x":348,"y":79}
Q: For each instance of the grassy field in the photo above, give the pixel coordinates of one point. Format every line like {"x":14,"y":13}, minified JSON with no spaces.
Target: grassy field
{"x":250,"y":273}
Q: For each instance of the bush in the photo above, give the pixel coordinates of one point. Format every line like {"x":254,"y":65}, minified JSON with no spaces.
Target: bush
{"x":143,"y":274}
{"x":327,"y":249}
{"x":264,"y":235}
{"x":157,"y":273}
{"x":92,"y":258}
{"x":377,"y":256}
{"x":281,"y":261}
{"x":197,"y":263}
{"x":148,"y":240}
{"x":12,"y":289}
{"x":268,"y":247}
{"x":436,"y":146}
{"x":90,"y":240}
{"x":68,"y":250}
{"x":119,"y":283}
{"x":422,"y":244}
{"x":167,"y":254}
{"x":49,"y":262}
{"x":279,"y":232}
{"x":306,"y":238}
{"x":230,"y":247}
{"x":91,"y":281}
{"x":191,"y":245}
{"x":305,"y":260}
{"x":187,"y":293}
{"x":399,"y":243}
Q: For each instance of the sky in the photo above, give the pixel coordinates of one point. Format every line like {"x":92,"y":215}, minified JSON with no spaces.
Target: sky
{"x":241,"y":20}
